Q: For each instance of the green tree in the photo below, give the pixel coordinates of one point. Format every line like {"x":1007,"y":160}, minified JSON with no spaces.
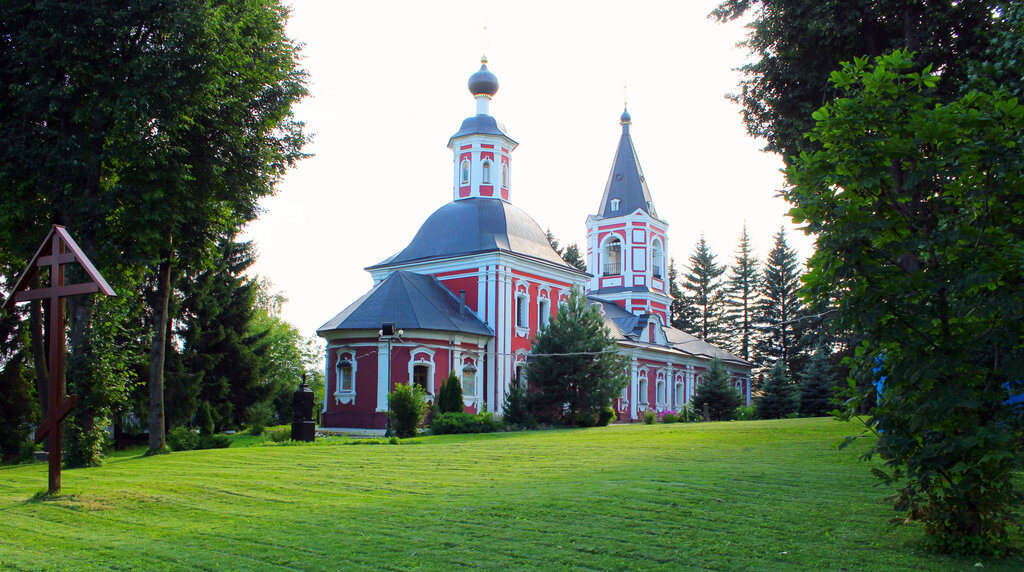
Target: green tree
{"x":683,"y":312}
{"x":780,"y":313}
{"x":796,"y":44}
{"x":449,"y":398}
{"x":916,"y":208}
{"x":817,"y":385}
{"x":779,"y":396}
{"x":18,"y":410}
{"x":575,"y":370}
{"x":573,"y":257}
{"x":407,"y":407}
{"x":715,"y":390}
{"x":704,"y":288}
{"x":150,"y":131}
{"x":741,"y":295}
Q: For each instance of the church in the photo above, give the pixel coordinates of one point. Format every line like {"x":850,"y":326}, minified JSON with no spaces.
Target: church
{"x":480,"y":279}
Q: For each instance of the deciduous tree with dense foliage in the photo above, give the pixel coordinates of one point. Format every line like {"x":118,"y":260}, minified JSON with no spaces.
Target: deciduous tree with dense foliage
{"x":916,"y":205}
{"x":575,"y":370}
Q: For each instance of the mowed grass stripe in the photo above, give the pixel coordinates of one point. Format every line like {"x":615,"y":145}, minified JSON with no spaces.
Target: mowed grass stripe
{"x":622,"y":497}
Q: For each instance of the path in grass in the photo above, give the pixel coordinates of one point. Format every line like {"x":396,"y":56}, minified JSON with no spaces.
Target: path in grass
{"x":726,"y":496}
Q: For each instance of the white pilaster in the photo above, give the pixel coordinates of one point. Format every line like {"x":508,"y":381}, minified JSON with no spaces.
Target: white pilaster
{"x":383,"y":359}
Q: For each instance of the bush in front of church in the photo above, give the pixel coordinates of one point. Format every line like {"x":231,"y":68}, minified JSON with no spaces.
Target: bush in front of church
{"x":407,"y":407}
{"x":449,"y":398}
{"x":452,"y":423}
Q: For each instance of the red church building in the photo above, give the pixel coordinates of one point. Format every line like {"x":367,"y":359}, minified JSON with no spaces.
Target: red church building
{"x":479,"y":279}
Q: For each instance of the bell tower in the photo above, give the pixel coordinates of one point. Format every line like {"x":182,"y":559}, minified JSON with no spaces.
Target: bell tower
{"x":482,"y":149}
{"x":626,"y":241}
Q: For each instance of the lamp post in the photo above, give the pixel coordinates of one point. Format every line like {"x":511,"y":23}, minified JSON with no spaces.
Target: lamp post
{"x":387,"y":330}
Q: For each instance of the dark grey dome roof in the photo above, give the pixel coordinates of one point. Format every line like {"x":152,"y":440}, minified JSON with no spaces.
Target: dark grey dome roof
{"x":483,"y":81}
{"x":476,"y":225}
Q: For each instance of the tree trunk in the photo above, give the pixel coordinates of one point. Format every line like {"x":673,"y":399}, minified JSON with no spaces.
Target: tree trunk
{"x":157,"y":437}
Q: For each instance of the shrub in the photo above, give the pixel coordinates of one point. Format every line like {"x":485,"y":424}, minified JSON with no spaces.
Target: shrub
{"x":514,"y":408}
{"x":459,"y":422}
{"x":687,"y":414}
{"x":213,"y":442}
{"x":649,"y":417}
{"x":744,"y":413}
{"x":668,"y":417}
{"x":260,"y":415}
{"x":449,"y":398}
{"x":182,"y":438}
{"x":606,"y":416}
{"x":280,"y":434}
{"x":204,"y":418}
{"x":407,"y":406}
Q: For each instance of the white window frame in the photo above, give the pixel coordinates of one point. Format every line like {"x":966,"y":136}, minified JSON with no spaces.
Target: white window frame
{"x":469,"y":397}
{"x":615,"y":205}
{"x":657,"y":259}
{"x":485,"y":170}
{"x":522,"y":312}
{"x":464,"y":172}
{"x":504,"y":175}
{"x":641,"y":389}
{"x":342,"y":396}
{"x":543,"y":309}
{"x":429,"y":362}
{"x":605,"y":250}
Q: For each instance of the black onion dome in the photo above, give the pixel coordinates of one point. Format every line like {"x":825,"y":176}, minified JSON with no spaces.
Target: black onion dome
{"x":483,"y":82}
{"x":476,"y":225}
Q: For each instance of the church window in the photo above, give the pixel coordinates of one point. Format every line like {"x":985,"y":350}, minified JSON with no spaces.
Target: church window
{"x":419,"y":376}
{"x":522,"y":311}
{"x":544,"y":312}
{"x":504,"y":176}
{"x":661,"y":393}
{"x":612,"y":257}
{"x":469,"y":380}
{"x":657,"y":259}
{"x":487,"y":173}
{"x":520,"y":379}
{"x":346,"y":381}
{"x":465,"y":172}
{"x":615,"y":205}
{"x":680,"y":393}
{"x":642,"y":398}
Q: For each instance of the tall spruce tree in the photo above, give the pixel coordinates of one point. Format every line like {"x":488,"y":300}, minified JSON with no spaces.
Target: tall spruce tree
{"x":575,"y":371}
{"x":573,"y":257}
{"x":741,"y":295}
{"x":780,"y":312}
{"x":704,"y":288}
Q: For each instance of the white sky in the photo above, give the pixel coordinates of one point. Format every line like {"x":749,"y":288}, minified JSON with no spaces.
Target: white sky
{"x":388,"y":83}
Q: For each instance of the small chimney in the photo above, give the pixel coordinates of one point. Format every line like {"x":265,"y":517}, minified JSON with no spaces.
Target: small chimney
{"x":462,"y":302}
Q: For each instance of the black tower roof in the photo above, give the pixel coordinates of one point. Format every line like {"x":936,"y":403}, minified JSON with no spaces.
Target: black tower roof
{"x":626,"y":181}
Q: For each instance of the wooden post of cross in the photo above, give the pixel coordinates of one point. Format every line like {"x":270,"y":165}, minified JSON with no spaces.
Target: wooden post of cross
{"x":57,"y":249}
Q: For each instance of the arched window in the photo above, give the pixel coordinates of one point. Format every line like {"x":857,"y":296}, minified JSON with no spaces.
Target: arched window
{"x":612,"y":257}
{"x":661,"y":393}
{"x":642,"y":397}
{"x":469,"y":379}
{"x":657,"y":259}
{"x":419,"y":376}
{"x":487,"y":173}
{"x":346,"y":381}
{"x":465,"y":172}
{"x":504,"y":176}
{"x":680,"y":393}
{"x":615,"y":205}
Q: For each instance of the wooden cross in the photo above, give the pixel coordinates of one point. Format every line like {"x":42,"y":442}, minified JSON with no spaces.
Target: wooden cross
{"x":57,"y":249}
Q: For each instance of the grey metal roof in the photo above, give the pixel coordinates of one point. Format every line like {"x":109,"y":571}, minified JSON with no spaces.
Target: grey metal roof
{"x":412,"y":302}
{"x":626,"y":181}
{"x":481,"y":124}
{"x":476,"y":225}
{"x":627,"y":326}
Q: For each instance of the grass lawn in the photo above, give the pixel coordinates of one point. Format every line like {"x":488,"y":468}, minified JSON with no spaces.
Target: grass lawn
{"x":764,"y":495}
